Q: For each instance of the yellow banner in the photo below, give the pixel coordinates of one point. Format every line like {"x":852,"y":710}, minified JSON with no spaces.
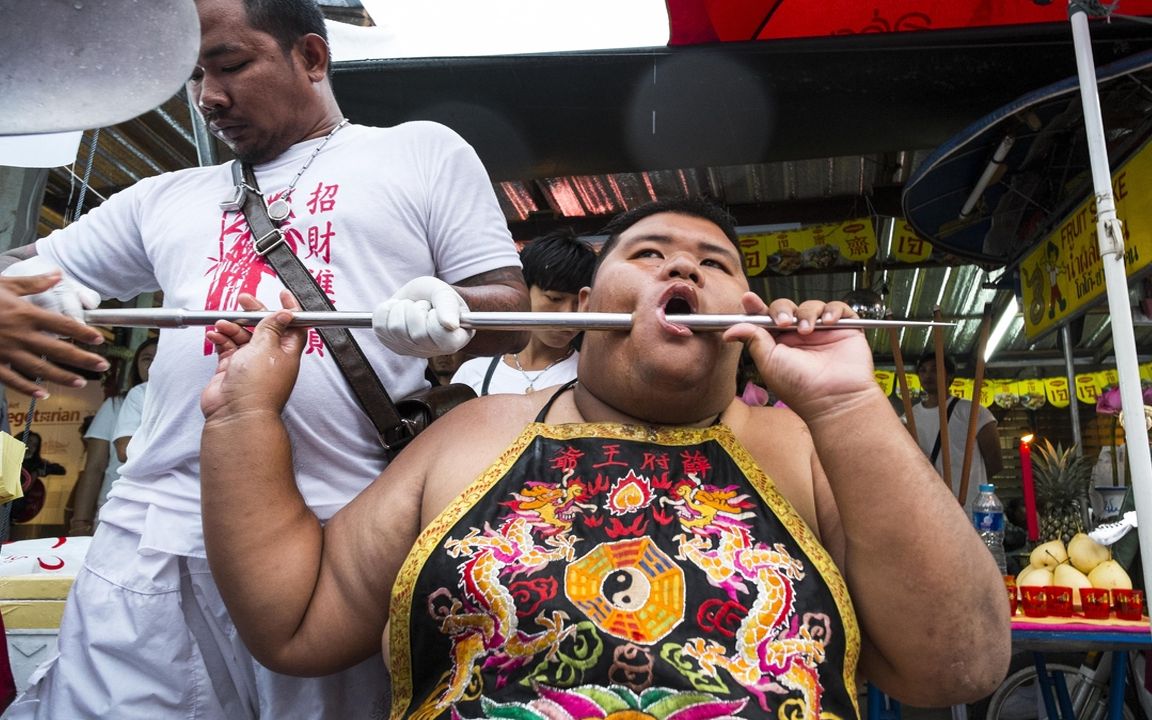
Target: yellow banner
{"x":962,"y":388}
{"x":1086,"y":389}
{"x":988,"y":393}
{"x":810,"y":248}
{"x":1064,"y":273}
{"x":1032,"y":394}
{"x":1007,"y":395}
{"x":1056,"y":388}
{"x":1034,"y":391}
{"x":886,"y":379}
{"x":907,"y":245}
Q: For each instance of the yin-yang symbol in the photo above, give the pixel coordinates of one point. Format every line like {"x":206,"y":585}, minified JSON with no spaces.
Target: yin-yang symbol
{"x":626,"y":589}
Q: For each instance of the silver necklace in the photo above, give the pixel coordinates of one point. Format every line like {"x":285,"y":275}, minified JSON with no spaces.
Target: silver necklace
{"x":280,"y":208}
{"x":532,"y":380}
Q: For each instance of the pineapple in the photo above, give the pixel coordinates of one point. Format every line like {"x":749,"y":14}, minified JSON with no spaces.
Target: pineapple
{"x":1061,"y":479}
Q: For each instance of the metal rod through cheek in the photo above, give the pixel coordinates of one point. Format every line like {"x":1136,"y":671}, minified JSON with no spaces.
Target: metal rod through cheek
{"x":173,"y":318}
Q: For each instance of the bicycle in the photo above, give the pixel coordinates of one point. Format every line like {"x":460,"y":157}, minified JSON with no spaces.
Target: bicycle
{"x":1088,"y":689}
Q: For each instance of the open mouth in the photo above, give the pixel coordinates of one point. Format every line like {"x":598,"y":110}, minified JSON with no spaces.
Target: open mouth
{"x":677,"y":301}
{"x":677,"y":306}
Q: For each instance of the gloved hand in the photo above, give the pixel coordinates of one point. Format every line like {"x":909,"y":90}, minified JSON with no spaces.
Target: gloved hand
{"x":422,"y":319}
{"x":67,"y":296}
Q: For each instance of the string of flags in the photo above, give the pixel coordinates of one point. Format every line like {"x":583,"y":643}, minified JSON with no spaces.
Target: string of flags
{"x":1029,"y":393}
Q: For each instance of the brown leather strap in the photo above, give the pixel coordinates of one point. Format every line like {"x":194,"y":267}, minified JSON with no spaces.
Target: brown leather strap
{"x":394,"y":431}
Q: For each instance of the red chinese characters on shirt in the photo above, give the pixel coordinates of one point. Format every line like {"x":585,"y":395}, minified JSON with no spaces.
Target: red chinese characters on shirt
{"x":237,"y":268}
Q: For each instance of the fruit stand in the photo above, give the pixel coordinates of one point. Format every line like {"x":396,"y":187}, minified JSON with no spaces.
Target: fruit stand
{"x":1076,"y":597}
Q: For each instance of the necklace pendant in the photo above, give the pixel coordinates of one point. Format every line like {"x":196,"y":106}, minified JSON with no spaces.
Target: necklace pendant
{"x":279,"y":209}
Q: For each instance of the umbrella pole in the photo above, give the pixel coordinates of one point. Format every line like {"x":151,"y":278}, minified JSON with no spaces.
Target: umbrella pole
{"x":974,"y":416}
{"x":902,"y":378}
{"x":1110,"y":237}
{"x":942,"y":404}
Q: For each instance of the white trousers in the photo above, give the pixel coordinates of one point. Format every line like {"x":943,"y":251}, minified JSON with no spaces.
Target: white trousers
{"x":145,"y":635}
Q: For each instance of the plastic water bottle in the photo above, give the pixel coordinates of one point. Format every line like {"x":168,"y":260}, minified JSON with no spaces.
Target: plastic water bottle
{"x":988,"y":517}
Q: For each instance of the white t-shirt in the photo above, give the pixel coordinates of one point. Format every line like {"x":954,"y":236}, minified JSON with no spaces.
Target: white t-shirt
{"x":376,"y":208}
{"x":928,"y":428}
{"x":103,"y":427}
{"x":507,"y":379}
{"x":131,"y":413}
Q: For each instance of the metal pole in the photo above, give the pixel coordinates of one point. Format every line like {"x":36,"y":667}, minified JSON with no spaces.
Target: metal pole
{"x":177,"y":318}
{"x":205,"y":149}
{"x":1070,"y":373}
{"x":1110,"y":237}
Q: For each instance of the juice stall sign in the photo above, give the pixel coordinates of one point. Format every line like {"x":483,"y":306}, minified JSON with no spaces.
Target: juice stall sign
{"x":1064,"y":274}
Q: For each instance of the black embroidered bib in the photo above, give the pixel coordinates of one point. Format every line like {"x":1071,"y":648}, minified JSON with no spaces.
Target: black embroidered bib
{"x":598,"y":569}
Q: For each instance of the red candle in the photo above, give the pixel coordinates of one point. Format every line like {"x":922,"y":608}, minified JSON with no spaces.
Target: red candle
{"x":1029,"y":488}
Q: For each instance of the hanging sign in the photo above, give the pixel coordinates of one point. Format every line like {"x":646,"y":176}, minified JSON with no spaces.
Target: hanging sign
{"x":907,"y":245}
{"x":1056,"y":388}
{"x":1087,"y":389}
{"x":816,"y":247}
{"x":1030,"y":393}
{"x":1033,"y":395}
{"x":886,"y":379}
{"x":1064,"y":274}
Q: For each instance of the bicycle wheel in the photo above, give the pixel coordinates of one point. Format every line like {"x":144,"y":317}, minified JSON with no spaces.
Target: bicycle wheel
{"x":1018,"y":697}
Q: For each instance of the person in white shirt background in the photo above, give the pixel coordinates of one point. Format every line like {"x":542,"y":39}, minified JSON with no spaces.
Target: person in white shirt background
{"x":556,"y":266}
{"x":103,"y":461}
{"x":986,"y":460}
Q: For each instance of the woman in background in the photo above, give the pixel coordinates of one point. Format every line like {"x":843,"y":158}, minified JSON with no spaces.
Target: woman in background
{"x":102,"y":466}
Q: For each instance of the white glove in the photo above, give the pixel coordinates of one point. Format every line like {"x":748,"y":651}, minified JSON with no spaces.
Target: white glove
{"x":422,"y":319}
{"x":67,"y":296}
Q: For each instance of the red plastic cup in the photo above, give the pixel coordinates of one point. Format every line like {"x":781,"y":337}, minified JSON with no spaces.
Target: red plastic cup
{"x":1129,"y":603}
{"x":1034,"y":600}
{"x":1059,"y":601}
{"x":1097,"y":603}
{"x":1013,"y":594}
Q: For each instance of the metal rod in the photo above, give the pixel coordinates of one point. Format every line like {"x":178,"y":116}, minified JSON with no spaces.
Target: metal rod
{"x":175,"y":318}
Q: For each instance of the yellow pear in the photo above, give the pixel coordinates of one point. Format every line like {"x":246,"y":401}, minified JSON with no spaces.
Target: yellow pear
{"x":1110,"y":575}
{"x":1049,"y":554}
{"x":1034,"y":576}
{"x":1067,"y":576}
{"x":1085,"y":553}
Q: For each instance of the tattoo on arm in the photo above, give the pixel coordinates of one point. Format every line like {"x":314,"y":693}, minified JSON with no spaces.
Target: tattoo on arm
{"x":499,"y":290}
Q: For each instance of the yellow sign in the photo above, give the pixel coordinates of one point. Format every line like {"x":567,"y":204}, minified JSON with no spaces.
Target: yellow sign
{"x":1087,"y":389}
{"x":1056,"y":388}
{"x":962,"y":388}
{"x":1031,"y":393}
{"x":907,"y":245}
{"x":1064,"y":274}
{"x":811,"y":248}
{"x":886,"y":379}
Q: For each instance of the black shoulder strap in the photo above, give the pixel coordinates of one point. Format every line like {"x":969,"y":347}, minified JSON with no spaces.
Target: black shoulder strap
{"x":936,"y":447}
{"x":269,"y":243}
{"x":559,"y":391}
{"x":488,"y":375}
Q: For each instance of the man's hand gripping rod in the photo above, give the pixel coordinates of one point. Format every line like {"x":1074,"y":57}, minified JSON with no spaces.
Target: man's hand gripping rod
{"x":170,"y":318}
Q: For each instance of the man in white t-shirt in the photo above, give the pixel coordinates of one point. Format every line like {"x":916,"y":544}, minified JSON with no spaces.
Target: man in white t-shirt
{"x":986,"y":459}
{"x":405,"y":215}
{"x":556,"y":267}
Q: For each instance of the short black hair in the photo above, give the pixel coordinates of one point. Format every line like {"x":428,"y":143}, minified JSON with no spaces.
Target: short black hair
{"x":693,"y":206}
{"x":286,"y":20}
{"x":559,"y":261}
{"x":949,"y":363}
